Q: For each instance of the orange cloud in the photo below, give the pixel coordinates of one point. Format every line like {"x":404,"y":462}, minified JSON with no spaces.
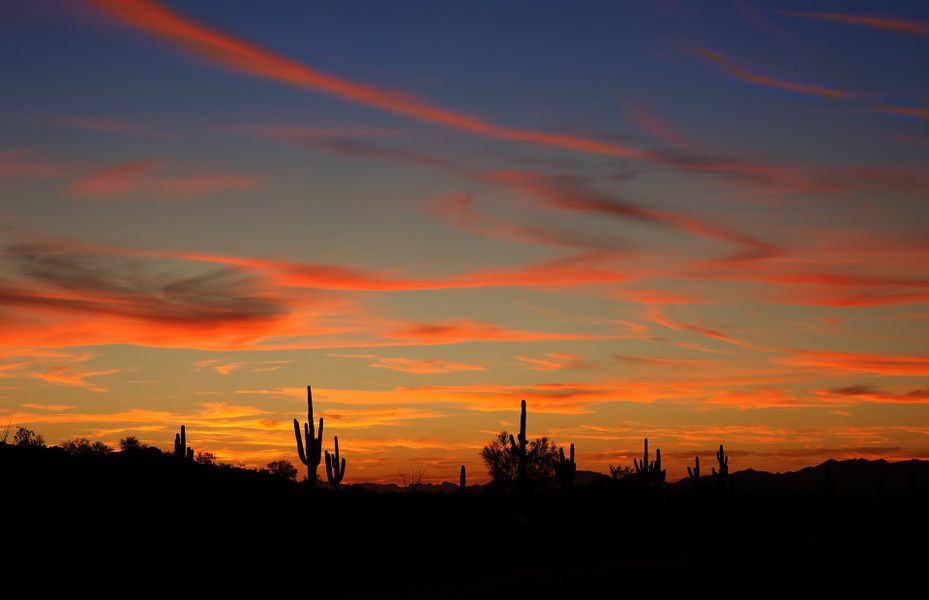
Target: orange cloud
{"x":764,"y":81}
{"x":245,"y":57}
{"x":881,"y":364}
{"x":424,"y":366}
{"x":553,"y":361}
{"x":145,"y":177}
{"x":67,"y":375}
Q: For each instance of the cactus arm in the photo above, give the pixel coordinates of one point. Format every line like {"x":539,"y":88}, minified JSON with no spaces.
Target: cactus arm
{"x":300,"y":451}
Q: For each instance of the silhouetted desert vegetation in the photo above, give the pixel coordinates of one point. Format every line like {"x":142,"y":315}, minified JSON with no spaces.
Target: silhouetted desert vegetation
{"x":84,"y":518}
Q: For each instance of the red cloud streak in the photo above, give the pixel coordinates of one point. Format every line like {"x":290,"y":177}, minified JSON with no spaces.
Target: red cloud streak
{"x":252,"y":59}
{"x":886,"y":23}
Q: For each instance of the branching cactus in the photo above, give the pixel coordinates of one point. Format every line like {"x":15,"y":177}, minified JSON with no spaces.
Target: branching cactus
{"x":658,"y":474}
{"x":462,"y":480}
{"x":519,"y":449}
{"x":314,"y":441}
{"x":721,"y":477}
{"x":651,"y":473}
{"x":181,"y":450}
{"x":335,"y":470}
{"x":565,"y":469}
{"x":694,"y":474}
{"x":641,"y":469}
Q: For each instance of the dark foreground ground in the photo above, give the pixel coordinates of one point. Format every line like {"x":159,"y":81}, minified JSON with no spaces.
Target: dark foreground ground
{"x":146,"y":526}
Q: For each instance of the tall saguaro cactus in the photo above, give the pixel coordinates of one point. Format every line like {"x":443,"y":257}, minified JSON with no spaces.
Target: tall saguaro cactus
{"x":722,"y":477}
{"x":650,"y":472}
{"x":462,"y":480}
{"x":694,"y":474}
{"x":641,"y":469}
{"x":181,"y":450}
{"x":334,"y":470}
{"x":518,"y":447}
{"x":565,"y":469}
{"x":314,"y":440}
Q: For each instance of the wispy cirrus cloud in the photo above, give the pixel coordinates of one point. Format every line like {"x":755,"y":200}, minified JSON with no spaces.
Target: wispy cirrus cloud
{"x":770,"y":82}
{"x":113,"y":125}
{"x":426,"y":366}
{"x":553,"y":361}
{"x":249,"y":58}
{"x":149,"y":178}
{"x":896,"y":25}
{"x":848,"y":362}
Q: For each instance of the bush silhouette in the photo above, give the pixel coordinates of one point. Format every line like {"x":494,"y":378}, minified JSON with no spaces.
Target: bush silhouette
{"x":205,"y":458}
{"x":83,"y":446}
{"x":503,"y":464}
{"x":27,"y":437}
{"x":131,"y":444}
{"x":282,"y":468}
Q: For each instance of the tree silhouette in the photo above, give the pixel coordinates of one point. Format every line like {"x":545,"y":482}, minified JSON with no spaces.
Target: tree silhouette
{"x":503,"y":465}
{"x":412,"y":480}
{"x":205,"y":458}
{"x":83,"y":447}
{"x":27,"y":437}
{"x":131,"y":444}
{"x":282,"y":468}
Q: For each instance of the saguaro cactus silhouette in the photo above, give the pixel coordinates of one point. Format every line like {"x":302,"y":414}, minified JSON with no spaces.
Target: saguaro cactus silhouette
{"x":566,"y":468}
{"x":722,"y":477}
{"x":314,"y":441}
{"x":650,"y":472}
{"x":181,"y":450}
{"x":518,"y":448}
{"x":462,"y":480}
{"x":694,"y":474}
{"x":335,"y":470}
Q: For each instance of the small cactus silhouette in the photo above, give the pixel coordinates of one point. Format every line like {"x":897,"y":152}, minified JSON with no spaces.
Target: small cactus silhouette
{"x":565,"y":469}
{"x":335,"y":470}
{"x":694,"y":474}
{"x":651,"y":473}
{"x":462,"y":480}
{"x":314,"y":441}
{"x":181,"y":450}
{"x":721,"y":477}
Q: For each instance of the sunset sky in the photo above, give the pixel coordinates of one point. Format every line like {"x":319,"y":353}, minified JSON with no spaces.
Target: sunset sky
{"x":702,"y":223}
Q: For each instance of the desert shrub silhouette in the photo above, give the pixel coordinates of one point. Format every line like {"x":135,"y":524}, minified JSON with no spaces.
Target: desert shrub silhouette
{"x":282,"y":468}
{"x":85,"y":446}
{"x":205,"y":458}
{"x":131,"y":444}
{"x":27,"y":437}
